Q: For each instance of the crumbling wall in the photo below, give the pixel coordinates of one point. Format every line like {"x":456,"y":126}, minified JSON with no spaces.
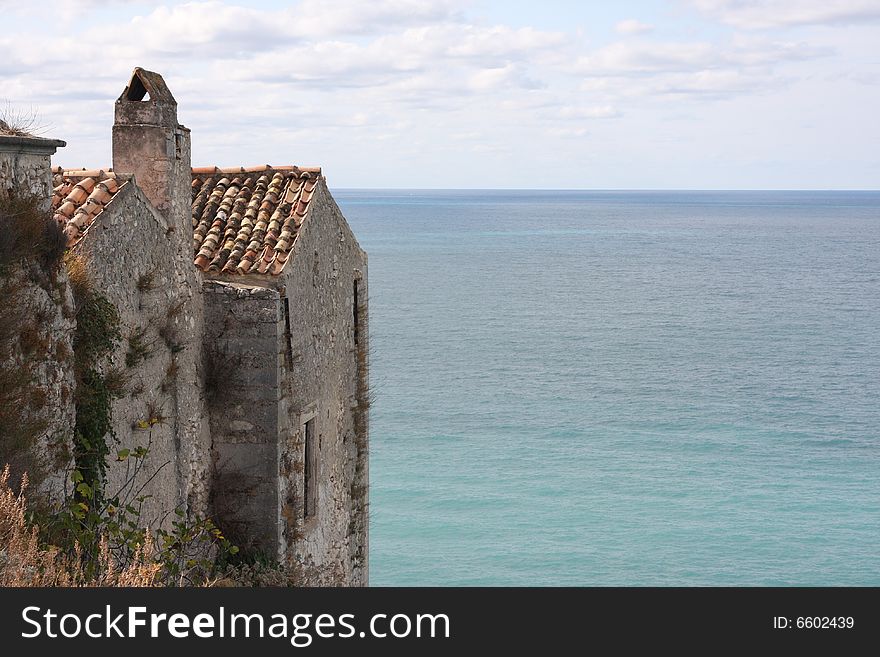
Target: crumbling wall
{"x":132,"y":258}
{"x":37,"y":409}
{"x":242,"y":342}
{"x":326,"y":374}
{"x":37,"y":379}
{"x":25,"y":165}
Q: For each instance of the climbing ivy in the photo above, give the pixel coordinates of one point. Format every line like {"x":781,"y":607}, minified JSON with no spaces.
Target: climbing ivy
{"x":97,"y":327}
{"x":97,"y":335}
{"x":93,"y":426}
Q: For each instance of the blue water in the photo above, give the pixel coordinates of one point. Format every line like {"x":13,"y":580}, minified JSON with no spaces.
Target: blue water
{"x":623,"y":388}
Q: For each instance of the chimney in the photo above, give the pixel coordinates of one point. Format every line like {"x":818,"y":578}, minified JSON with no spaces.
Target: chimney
{"x":149,"y":143}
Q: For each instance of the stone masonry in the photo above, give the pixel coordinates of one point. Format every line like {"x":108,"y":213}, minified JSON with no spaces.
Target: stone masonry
{"x":43,"y":343}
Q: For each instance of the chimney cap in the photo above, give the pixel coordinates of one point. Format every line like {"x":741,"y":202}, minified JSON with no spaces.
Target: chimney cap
{"x":145,"y":83}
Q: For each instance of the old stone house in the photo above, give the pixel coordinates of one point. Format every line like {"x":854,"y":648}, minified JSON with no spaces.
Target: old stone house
{"x":243,"y":298}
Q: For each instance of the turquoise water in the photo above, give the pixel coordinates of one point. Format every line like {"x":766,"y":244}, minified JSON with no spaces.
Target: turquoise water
{"x":623,"y":388}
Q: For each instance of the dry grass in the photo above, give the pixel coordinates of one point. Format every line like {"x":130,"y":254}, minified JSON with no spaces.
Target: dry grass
{"x":27,"y":231}
{"x":147,"y":282}
{"x":77,"y":266}
{"x":117,"y":381}
{"x":25,"y":562}
{"x":18,"y":122}
{"x":259,"y":575}
{"x":12,"y":130}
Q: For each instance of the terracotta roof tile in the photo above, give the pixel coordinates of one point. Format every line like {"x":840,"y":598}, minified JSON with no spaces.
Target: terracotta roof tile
{"x":79,"y":196}
{"x":245,"y":219}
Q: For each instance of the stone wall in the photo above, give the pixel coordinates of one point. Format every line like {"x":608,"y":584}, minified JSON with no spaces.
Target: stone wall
{"x":133,"y":260}
{"x":36,"y":356}
{"x":25,"y":165}
{"x":283,"y":353}
{"x":37,"y":374}
{"x":242,"y":341}
{"x":322,"y":376}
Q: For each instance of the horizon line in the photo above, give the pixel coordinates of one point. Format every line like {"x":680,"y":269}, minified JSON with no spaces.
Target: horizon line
{"x":597,"y":189}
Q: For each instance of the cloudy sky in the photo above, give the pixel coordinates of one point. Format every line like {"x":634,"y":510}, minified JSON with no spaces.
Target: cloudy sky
{"x":687,"y":94}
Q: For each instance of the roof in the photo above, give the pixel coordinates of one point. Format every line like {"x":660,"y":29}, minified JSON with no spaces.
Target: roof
{"x":79,"y":196}
{"x":244,"y":220}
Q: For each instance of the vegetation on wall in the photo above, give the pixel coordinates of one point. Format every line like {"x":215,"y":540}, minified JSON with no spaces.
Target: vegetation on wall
{"x":25,"y":559}
{"x":28,"y":233}
{"x":123,"y":554}
{"x":16,"y":122}
{"x":31,"y":245}
{"x":95,"y":536}
{"x":95,"y":523}
{"x":97,"y":334}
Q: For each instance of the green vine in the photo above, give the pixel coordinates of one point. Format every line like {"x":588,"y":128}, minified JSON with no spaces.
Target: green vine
{"x":97,"y":335}
{"x":97,"y":328}
{"x":93,"y":425}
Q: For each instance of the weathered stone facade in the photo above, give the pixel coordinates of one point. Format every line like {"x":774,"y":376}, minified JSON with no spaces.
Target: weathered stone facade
{"x":250,"y":390}
{"x":288,"y":350}
{"x":25,"y":166}
{"x":39,"y":320}
{"x":244,"y":396}
{"x":133,"y":259}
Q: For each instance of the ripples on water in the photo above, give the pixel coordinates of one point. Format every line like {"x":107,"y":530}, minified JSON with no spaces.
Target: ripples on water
{"x":632,"y":388}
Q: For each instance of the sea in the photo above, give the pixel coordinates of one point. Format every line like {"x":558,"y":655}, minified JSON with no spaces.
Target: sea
{"x":638,"y":388}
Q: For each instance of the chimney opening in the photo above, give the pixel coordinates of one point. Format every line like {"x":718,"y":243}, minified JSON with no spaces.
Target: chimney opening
{"x":136,"y":90}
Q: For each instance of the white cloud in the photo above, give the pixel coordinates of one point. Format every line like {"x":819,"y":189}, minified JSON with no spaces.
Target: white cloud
{"x":631,"y":27}
{"x":336,"y":17}
{"x":641,"y":57}
{"x":713,"y":84}
{"x":500,"y":41}
{"x":509,"y":75}
{"x":587,"y":113}
{"x":649,"y":57}
{"x":346,"y":83}
{"x":567,"y":132}
{"x":764,"y":14}
{"x":631,"y":71}
{"x":213,"y":25}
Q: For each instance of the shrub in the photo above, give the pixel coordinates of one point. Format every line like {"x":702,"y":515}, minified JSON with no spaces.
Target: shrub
{"x":26,"y":561}
{"x":28,"y":232}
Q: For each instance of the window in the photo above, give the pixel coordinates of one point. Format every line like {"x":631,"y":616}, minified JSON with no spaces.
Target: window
{"x":310,"y":468}
{"x":288,"y":336}
{"x":356,"y":310}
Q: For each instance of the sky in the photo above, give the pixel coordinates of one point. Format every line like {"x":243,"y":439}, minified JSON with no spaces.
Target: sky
{"x":651,"y":94}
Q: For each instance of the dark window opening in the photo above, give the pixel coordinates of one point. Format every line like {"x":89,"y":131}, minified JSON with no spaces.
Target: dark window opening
{"x":310,"y":467}
{"x":136,"y":90}
{"x":288,"y":335}
{"x":356,"y":310}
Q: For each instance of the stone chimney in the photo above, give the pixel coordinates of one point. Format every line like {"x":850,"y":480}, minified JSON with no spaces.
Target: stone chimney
{"x":149,"y":143}
{"x":25,"y":166}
